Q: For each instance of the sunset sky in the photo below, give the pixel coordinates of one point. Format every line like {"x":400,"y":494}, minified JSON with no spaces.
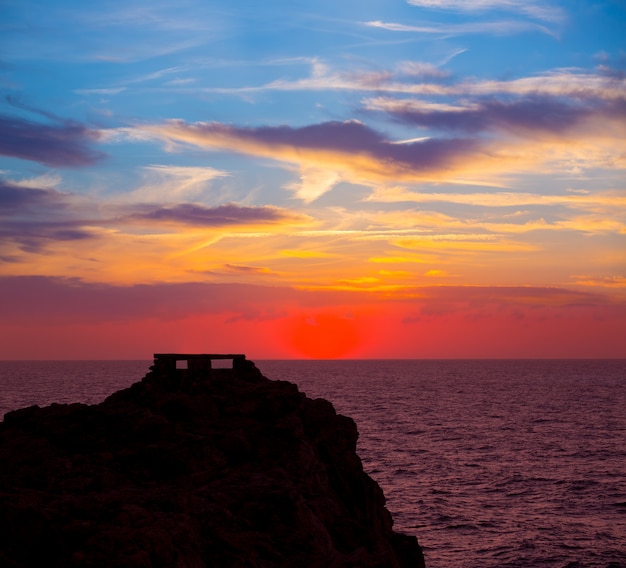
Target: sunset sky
{"x":289,"y":179}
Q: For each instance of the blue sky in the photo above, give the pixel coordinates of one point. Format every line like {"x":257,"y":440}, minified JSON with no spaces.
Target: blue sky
{"x":372,"y":148}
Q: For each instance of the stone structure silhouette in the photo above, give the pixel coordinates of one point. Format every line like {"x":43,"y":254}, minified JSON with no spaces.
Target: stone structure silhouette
{"x":195,"y":364}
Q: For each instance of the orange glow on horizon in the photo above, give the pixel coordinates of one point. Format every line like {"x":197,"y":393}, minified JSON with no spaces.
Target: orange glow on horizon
{"x":323,"y":336}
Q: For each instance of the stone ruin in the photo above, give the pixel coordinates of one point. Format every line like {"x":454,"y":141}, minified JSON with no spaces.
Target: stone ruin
{"x":186,"y":365}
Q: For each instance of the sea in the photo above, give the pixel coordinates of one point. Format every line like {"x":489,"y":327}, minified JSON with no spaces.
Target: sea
{"x":490,"y":463}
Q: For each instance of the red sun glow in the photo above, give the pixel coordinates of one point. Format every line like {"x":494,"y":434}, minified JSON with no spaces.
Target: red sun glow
{"x":323,"y":336}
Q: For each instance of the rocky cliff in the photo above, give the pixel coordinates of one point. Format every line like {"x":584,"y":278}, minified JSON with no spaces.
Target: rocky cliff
{"x":222,"y":469}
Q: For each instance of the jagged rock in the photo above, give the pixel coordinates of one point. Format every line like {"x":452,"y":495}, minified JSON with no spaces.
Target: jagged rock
{"x":222,"y":469}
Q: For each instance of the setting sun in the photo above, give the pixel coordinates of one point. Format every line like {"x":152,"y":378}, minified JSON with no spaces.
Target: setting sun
{"x":323,"y":336}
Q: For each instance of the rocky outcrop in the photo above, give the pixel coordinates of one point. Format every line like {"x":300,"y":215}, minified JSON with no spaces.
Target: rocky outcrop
{"x":228,"y":469}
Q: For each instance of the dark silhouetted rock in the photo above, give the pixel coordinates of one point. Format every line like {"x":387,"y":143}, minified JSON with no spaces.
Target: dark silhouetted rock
{"x":224,"y":469}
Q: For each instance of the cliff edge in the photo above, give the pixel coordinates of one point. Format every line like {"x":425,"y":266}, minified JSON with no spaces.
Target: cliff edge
{"x":223,"y":468}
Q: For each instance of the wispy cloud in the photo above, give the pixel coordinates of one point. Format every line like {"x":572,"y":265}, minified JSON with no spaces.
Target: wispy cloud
{"x":559,"y":82}
{"x":502,"y":199}
{"x":538,"y":10}
{"x":564,"y":82}
{"x":124,"y":84}
{"x":422,"y":69}
{"x":399,"y":106}
{"x":601,"y":281}
{"x":504,"y":27}
{"x":162,"y":16}
{"x":314,"y":182}
{"x":610,"y":200}
{"x":173,"y":184}
{"x":138,"y":52}
{"x":107,"y":91}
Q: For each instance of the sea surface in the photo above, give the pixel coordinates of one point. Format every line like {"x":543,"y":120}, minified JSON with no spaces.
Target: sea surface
{"x":491,"y":464}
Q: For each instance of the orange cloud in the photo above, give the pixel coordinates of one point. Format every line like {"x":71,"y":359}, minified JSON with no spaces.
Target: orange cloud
{"x":335,"y":150}
{"x":604,"y":282}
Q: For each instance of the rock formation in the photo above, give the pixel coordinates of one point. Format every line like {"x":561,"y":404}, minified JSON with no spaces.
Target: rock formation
{"x":222,"y":469}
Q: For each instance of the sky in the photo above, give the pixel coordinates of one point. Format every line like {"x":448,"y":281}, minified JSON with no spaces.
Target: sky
{"x":290,"y":179}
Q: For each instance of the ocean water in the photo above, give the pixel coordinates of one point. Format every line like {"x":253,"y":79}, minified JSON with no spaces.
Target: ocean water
{"x":491,"y":464}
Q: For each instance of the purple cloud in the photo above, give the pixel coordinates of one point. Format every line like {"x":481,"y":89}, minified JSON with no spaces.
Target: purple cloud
{"x":64,"y":300}
{"x":350,"y":144}
{"x":35,"y":299}
{"x":16,"y":197}
{"x":534,"y":113}
{"x":223,"y":215}
{"x":26,"y":218}
{"x":62,"y":145}
{"x":32,"y":237}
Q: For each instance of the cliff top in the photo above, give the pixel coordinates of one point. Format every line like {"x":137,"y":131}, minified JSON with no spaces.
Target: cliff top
{"x":192,"y":467}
